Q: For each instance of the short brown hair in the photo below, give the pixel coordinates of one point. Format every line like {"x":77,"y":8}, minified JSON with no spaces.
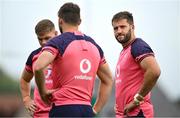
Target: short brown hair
{"x":44,"y":26}
{"x":123,"y":15}
{"x":70,"y":13}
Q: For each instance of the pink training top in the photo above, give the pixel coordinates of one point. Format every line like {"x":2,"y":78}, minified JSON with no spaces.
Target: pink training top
{"x":129,"y":78}
{"x":74,"y":68}
{"x":42,"y":110}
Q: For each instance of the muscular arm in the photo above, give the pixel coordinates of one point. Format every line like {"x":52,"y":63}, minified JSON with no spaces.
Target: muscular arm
{"x":42,"y":62}
{"x":152,"y":73}
{"x":105,"y":88}
{"x":25,"y":83}
{"x":25,"y":88}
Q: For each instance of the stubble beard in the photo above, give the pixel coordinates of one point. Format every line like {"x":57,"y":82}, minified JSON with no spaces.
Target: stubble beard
{"x":126,"y":38}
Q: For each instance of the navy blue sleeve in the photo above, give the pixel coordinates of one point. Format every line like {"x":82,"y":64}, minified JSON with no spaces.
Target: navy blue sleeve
{"x":60,"y":42}
{"x":30,"y":58}
{"x":54,"y":43}
{"x":140,"y":49}
{"x":98,"y":47}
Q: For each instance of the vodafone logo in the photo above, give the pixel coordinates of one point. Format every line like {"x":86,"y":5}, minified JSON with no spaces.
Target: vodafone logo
{"x":85,"y":66}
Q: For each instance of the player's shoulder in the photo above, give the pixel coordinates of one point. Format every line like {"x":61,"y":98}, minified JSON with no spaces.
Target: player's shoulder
{"x":88,"y":38}
{"x":36,"y":51}
{"x":140,"y":47}
{"x":61,"y":39}
{"x":139,"y":42}
{"x":31,"y":55}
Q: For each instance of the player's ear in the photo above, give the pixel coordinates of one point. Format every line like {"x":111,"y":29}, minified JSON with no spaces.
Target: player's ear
{"x":60,"y":21}
{"x":56,"y":33}
{"x":133,"y":27}
{"x":79,"y":22}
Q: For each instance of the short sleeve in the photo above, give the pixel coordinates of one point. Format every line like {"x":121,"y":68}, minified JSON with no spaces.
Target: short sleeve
{"x":29,"y":62}
{"x":50,"y":49}
{"x":140,"y":49}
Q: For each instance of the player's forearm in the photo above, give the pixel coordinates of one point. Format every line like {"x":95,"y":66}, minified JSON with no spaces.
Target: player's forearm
{"x":150,"y":79}
{"x":104,"y":93}
{"x":39,"y":75}
{"x":25,"y":89}
{"x":39,"y":78}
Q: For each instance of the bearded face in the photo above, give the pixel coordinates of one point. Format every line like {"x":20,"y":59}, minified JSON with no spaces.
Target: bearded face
{"x":122,"y":31}
{"x":123,"y":38}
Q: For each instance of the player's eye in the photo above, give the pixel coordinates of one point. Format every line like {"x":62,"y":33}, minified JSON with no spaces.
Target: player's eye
{"x":115,"y":28}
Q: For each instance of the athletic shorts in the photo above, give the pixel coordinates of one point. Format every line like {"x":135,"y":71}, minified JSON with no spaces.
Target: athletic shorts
{"x":74,"y":110}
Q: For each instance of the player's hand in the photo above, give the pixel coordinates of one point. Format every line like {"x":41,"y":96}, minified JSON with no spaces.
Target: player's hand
{"x":94,"y":112}
{"x":46,"y":96}
{"x":29,"y":105}
{"x":130,"y":107}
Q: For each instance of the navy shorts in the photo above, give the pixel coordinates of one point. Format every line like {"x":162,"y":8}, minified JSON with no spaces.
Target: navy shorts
{"x":139,"y":115}
{"x":74,"y":110}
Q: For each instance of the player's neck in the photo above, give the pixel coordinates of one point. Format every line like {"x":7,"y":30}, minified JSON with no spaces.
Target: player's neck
{"x":70,"y":28}
{"x":129,"y":42}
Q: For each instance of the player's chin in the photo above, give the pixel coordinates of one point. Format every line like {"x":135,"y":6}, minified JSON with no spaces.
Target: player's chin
{"x":120,"y":40}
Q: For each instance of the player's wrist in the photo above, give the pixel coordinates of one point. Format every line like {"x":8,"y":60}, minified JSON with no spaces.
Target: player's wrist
{"x":26,"y":98}
{"x":94,"y":111}
{"x":138,"y":99}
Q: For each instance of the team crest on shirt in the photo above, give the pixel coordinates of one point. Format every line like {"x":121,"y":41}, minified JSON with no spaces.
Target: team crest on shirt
{"x":48,"y":73}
